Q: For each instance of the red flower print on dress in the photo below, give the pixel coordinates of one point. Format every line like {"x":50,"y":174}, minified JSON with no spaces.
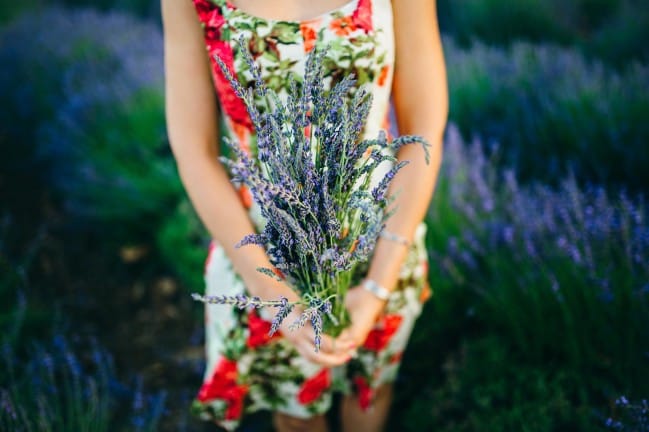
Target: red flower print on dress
{"x":259,"y":329}
{"x":425,"y":293}
{"x":342,"y":26}
{"x":307,"y":128}
{"x":223,"y":385}
{"x":379,"y":338}
{"x":233,"y":106}
{"x":210,"y":250}
{"x":213,"y":22}
{"x":279,"y":273}
{"x":245,"y":196}
{"x":312,"y":388}
{"x":364,"y":392}
{"x":387,"y":126}
{"x":242,"y":133}
{"x":396,"y":357}
{"x":309,"y":36}
{"x":383,"y":76}
{"x":204,"y":7}
{"x":362,"y":16}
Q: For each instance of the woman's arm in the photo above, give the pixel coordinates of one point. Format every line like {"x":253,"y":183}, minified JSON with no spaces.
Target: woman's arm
{"x":421,"y":102}
{"x":191,"y":113}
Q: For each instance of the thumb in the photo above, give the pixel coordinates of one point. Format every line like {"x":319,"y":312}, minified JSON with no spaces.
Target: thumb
{"x":346,"y":340}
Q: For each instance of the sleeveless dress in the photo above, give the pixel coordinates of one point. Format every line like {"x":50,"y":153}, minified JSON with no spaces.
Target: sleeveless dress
{"x":246,"y":370}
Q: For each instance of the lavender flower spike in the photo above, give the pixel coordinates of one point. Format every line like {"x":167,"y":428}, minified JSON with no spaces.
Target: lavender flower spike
{"x":241,"y":301}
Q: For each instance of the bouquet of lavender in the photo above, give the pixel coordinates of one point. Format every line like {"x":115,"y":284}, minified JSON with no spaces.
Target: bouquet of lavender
{"x":315,"y":190}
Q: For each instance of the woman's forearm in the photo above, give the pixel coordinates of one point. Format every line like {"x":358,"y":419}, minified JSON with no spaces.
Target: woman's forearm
{"x":412,"y":189}
{"x":191,"y":112}
{"x":223,"y":214}
{"x":421,"y":105}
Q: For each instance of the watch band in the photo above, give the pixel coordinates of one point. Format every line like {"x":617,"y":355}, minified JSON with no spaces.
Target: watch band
{"x":376,"y":289}
{"x":394,"y":238}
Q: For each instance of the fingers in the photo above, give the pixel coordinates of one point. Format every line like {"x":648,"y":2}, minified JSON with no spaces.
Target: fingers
{"x":333,"y":351}
{"x":327,"y":356}
{"x":347,"y":341}
{"x":346,"y":338}
{"x":307,"y":350}
{"x":338,"y":345}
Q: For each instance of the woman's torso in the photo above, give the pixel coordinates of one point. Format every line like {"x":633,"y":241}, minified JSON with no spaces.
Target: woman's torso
{"x":360,"y":37}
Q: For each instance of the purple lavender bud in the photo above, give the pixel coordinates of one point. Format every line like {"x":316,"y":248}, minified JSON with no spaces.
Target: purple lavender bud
{"x":283,"y":312}
{"x":622,"y":401}
{"x":6,"y":404}
{"x":269,"y":272}
{"x":316,"y":323}
{"x":508,"y":234}
{"x":411,"y":139}
{"x":252,"y":239}
{"x":378,"y":193}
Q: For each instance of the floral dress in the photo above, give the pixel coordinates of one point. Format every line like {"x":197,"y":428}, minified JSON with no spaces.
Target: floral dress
{"x":246,"y":369}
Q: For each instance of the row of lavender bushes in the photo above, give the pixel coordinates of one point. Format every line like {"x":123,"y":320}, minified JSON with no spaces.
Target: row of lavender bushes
{"x":85,"y":157}
{"x":543,"y":289}
{"x":142,"y":8}
{"x":53,"y":388}
{"x":86,"y":131}
{"x":53,"y":379}
{"x":611,"y":30}
{"x":552,"y":112}
{"x":540,"y":315}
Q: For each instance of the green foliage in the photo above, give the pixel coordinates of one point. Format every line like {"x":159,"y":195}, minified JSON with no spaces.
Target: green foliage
{"x":484,"y":387}
{"x":9,"y":10}
{"x":498,"y":21}
{"x":55,"y":385}
{"x":20,"y":320}
{"x":119,"y":169}
{"x":138,"y":7}
{"x":613,"y":30}
{"x":88,"y":113}
{"x":65,"y":74}
{"x":553,"y":112}
{"x":182,"y":243}
{"x":540,"y":311}
{"x":53,"y":388}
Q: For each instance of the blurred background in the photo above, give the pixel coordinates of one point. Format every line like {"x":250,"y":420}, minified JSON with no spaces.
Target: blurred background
{"x":539,"y":237}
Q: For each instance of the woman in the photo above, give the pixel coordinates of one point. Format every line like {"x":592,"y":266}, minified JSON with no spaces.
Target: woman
{"x":395,"y":49}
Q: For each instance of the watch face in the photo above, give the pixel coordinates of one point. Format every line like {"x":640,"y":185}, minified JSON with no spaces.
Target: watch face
{"x":376,"y":289}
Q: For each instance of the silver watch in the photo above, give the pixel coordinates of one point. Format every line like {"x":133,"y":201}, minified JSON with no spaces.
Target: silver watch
{"x":376,"y":289}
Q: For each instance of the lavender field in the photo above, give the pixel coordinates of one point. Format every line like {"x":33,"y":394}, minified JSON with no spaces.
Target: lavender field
{"x":538,"y":238}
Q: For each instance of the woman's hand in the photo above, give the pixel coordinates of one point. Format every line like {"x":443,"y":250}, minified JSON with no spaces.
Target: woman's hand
{"x":364,"y":308}
{"x":333,"y":352}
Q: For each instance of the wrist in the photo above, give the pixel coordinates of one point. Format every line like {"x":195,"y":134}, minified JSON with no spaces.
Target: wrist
{"x":376,"y":289}
{"x":386,"y":265}
{"x":395,"y":238}
{"x":371,"y":303}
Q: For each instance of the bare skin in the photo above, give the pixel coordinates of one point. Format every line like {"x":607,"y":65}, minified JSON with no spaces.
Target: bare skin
{"x":354,"y":419}
{"x":287,"y":423}
{"x":421,"y":109}
{"x":291,"y":10}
